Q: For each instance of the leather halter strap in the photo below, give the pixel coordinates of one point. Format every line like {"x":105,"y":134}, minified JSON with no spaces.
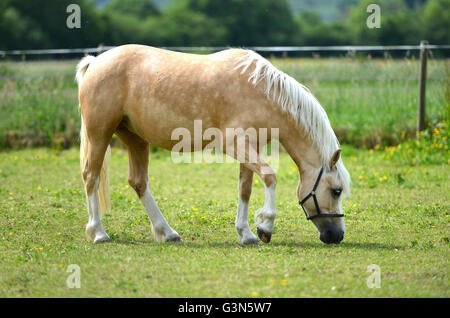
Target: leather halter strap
{"x":316,"y":203}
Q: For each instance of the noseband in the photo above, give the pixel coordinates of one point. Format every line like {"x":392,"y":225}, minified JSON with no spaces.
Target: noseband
{"x":313,"y":195}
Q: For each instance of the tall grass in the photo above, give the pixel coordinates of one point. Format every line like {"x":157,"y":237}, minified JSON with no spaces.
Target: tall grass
{"x":369,"y":101}
{"x":38,"y":104}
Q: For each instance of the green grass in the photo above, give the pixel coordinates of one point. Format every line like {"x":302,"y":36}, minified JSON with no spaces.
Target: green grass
{"x":368,"y":101}
{"x":397,"y":218}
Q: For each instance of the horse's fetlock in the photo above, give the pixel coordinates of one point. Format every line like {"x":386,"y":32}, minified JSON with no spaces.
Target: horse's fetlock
{"x":240,"y":228}
{"x":160,"y":227}
{"x":270,"y":215}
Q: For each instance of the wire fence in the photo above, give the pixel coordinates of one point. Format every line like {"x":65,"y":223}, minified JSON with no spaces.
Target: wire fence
{"x":348,"y":48}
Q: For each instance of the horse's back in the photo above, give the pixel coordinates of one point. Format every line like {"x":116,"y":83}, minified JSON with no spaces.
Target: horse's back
{"x":141,"y":67}
{"x":156,"y":91}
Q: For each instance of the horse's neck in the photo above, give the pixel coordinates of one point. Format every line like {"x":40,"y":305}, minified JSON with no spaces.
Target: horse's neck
{"x":301,"y":150}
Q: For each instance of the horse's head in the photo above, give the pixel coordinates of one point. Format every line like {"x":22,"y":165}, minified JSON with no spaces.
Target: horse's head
{"x":320,"y":193}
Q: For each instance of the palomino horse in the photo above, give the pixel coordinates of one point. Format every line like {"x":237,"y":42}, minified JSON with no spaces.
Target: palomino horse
{"x":142,"y":94}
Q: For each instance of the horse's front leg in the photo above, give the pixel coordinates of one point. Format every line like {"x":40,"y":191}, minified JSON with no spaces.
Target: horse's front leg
{"x":265,"y":217}
{"x":245,"y":189}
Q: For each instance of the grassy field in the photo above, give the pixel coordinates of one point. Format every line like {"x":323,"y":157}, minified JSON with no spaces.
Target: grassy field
{"x":397,"y":217}
{"x":369,"y":101}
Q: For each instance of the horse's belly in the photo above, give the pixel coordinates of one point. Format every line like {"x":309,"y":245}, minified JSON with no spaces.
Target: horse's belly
{"x":165,"y":127}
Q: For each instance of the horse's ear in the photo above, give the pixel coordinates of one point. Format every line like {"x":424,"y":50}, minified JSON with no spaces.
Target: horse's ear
{"x":335,"y":157}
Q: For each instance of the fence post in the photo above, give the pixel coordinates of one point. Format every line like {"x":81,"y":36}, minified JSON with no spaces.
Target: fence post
{"x":422,"y":85}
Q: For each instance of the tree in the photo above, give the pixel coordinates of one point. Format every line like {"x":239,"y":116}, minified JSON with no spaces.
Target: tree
{"x":35,"y":24}
{"x":250,"y":22}
{"x":312,"y":31}
{"x":437,"y":21}
{"x":399,"y":24}
{"x":183,"y":26}
{"x":138,"y":8}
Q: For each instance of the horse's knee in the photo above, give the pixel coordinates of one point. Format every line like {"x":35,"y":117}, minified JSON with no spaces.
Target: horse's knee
{"x":269,"y":179}
{"x":138,"y":185}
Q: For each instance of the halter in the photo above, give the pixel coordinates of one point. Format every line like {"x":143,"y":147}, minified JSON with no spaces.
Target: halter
{"x":313,"y":195}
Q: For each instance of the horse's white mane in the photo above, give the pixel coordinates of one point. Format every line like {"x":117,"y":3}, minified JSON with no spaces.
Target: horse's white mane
{"x":295,"y":99}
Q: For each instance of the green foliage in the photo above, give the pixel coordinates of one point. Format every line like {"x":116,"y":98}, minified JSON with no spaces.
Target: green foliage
{"x":249,"y":22}
{"x":137,"y":8}
{"x":311,"y":31}
{"x":396,"y":26}
{"x":182,"y":26}
{"x":437,"y":21}
{"x":35,"y":24}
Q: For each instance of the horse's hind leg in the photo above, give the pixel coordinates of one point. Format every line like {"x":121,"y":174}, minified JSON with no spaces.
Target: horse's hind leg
{"x":138,"y":152}
{"x":91,"y":176}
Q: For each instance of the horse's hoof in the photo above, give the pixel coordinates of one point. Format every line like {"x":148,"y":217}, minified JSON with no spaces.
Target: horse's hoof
{"x":250,"y":241}
{"x":173,"y":238}
{"x":103,"y":238}
{"x":264,"y":236}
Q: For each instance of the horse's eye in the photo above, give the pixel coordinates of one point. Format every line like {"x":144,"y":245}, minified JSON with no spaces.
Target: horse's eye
{"x":336,"y":192}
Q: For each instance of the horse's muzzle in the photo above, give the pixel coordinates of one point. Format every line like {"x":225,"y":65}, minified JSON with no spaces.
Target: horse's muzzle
{"x":331,"y":235}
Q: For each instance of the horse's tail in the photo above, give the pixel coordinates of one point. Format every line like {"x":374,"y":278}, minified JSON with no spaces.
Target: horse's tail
{"x":83,"y":66}
{"x":103,"y":188}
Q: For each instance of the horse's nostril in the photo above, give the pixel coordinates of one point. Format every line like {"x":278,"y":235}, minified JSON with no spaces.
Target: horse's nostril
{"x":331,"y":236}
{"x":326,"y":236}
